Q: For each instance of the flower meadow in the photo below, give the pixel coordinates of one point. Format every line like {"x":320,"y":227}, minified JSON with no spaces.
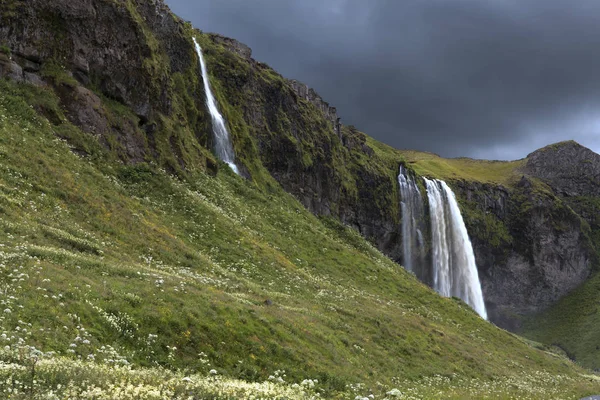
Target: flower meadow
{"x":35,"y":375}
{"x":127,"y":282}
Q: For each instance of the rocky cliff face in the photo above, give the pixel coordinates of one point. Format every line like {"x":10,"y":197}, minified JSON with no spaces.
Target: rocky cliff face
{"x":84,"y":38}
{"x":312,"y":96}
{"x":573,"y":172}
{"x":233,"y":45}
{"x":569,"y":168}
{"x":531,"y":248}
{"x":130,"y":52}
{"x":97,"y":55}
{"x":328,"y":167}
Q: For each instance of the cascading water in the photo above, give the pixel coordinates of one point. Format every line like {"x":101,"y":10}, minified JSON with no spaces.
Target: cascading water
{"x":223,"y":146}
{"x":412,"y":218}
{"x":454,"y":268}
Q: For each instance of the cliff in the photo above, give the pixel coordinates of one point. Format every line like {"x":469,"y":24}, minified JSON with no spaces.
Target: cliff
{"x":569,"y":168}
{"x":313,"y":97}
{"x":531,"y":248}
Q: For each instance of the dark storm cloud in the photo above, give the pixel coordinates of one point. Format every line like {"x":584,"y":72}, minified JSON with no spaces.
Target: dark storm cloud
{"x":489,"y":79}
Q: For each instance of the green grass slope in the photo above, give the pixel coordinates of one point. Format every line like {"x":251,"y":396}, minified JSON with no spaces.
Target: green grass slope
{"x":572,"y":324}
{"x":468,"y":169}
{"x":121,"y":281}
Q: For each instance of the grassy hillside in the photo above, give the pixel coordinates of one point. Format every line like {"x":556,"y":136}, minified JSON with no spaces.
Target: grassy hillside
{"x":573,"y":324}
{"x":429,"y":164}
{"x":125,"y":281}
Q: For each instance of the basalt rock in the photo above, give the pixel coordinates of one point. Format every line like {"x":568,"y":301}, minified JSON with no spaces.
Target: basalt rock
{"x":308,"y":94}
{"x":233,"y":45}
{"x":127,"y":51}
{"x":81,"y":35}
{"x":573,"y":172}
{"x":531,"y":248}
{"x":568,"y":167}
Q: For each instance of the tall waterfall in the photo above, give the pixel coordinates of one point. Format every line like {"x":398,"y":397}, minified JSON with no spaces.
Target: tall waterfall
{"x":413,"y":216}
{"x":454,"y":268}
{"x":223,"y":146}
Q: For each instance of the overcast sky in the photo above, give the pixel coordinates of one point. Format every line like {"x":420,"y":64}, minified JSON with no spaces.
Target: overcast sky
{"x":492,"y":79}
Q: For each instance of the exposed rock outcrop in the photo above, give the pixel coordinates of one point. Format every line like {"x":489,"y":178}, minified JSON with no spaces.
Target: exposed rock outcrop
{"x":128,"y":51}
{"x":233,"y":45}
{"x":82,"y":35}
{"x":308,"y":94}
{"x":19,"y":72}
{"x":531,"y":249}
{"x":568,"y":167}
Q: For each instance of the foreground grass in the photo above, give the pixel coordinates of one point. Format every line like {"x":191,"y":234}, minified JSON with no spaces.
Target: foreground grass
{"x":37,"y":376}
{"x":59,"y":378}
{"x":140,"y":277}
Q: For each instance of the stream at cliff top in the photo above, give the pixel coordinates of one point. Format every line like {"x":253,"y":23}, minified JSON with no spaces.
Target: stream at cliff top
{"x":223,"y":146}
{"x":452,"y":270}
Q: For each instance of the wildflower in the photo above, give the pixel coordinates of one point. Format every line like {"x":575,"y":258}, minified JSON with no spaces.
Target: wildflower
{"x":7,"y":311}
{"x":212,"y":372}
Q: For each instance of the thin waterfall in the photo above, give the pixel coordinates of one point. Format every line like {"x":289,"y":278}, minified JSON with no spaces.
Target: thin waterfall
{"x":454,"y":267}
{"x":223,"y":146}
{"x":413,"y":216}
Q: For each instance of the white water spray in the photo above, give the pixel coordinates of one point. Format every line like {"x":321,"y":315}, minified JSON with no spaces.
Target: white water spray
{"x":412,"y":218}
{"x":223,"y":146}
{"x":454,"y":268}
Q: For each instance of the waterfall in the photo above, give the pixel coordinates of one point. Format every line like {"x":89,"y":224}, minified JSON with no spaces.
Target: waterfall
{"x":454,"y":268}
{"x":223,"y":146}
{"x":412,"y":220}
